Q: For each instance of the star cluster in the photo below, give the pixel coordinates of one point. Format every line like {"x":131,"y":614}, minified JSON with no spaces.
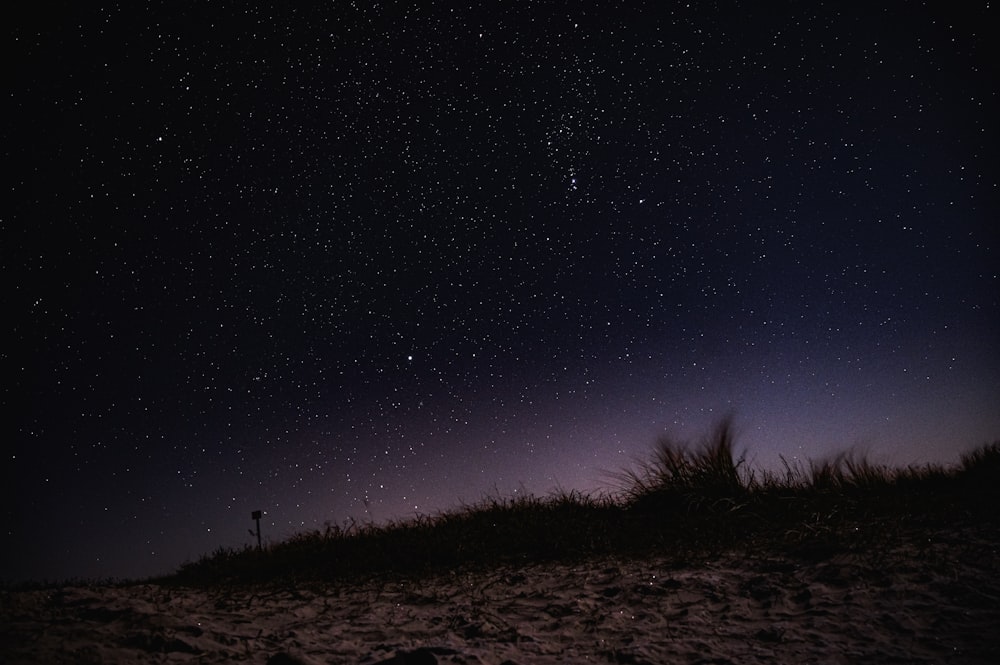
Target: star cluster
{"x":350,"y":261}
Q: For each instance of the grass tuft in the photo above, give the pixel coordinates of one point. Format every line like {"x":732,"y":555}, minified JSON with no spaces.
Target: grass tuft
{"x":679,"y":478}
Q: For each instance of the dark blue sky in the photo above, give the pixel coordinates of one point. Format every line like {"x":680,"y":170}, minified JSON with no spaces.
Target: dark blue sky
{"x":366,"y":262}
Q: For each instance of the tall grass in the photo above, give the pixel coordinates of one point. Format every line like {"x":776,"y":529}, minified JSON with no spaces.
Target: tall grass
{"x":678,"y":477}
{"x":685,"y":502}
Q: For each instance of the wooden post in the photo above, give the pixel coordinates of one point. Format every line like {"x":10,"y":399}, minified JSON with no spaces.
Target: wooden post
{"x":255,"y":515}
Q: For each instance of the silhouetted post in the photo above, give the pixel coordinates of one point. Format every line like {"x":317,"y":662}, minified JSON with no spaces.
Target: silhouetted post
{"x":256,"y":516}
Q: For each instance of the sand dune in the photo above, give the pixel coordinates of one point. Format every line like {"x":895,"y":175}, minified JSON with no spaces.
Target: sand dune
{"x":931,"y":599}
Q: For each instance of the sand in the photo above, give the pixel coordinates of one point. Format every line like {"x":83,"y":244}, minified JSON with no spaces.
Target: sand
{"x":932,"y":599}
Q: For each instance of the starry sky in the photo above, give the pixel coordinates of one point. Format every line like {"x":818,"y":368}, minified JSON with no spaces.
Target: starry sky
{"x":367,"y":261}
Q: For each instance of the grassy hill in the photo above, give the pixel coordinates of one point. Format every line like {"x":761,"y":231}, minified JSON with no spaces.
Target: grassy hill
{"x":687,"y":503}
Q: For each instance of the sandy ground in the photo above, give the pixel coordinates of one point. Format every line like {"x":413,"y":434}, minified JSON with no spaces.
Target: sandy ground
{"x":930,"y":600}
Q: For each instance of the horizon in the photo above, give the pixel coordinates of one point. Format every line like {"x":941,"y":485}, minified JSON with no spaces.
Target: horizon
{"x":614,"y":490}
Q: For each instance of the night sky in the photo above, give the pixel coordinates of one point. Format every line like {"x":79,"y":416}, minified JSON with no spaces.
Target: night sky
{"x":344,"y":261}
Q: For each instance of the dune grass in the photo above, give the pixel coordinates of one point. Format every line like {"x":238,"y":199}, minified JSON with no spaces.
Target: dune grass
{"x":684,"y":502}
